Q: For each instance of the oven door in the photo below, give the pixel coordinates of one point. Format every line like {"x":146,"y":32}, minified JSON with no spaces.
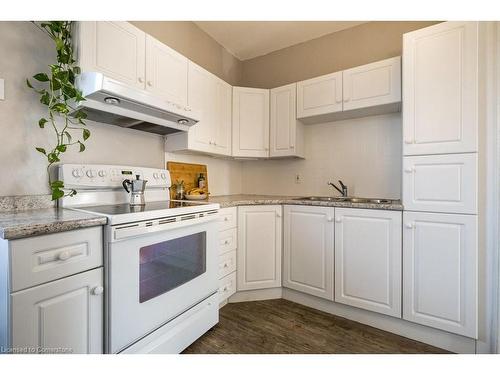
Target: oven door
{"x":154,"y":277}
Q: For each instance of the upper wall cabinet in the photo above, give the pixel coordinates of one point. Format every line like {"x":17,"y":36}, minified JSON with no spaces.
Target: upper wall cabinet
{"x":121,"y":51}
{"x":116,"y":49}
{"x":286,"y":133}
{"x":166,"y":72}
{"x":372,"y":85}
{"x":250,"y":122}
{"x":319,"y":97}
{"x":210,"y":96}
{"x":440,"y":95}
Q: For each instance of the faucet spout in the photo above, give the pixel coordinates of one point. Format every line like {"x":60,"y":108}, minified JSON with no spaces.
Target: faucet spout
{"x":342,"y":190}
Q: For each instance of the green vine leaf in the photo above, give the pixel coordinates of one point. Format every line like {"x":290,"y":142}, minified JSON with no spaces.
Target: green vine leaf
{"x":42,"y":77}
{"x":86,"y":134}
{"x":61,"y":148}
{"x":82,"y":146}
{"x":57,"y":193}
{"x":42,"y":122}
{"x":42,"y":150}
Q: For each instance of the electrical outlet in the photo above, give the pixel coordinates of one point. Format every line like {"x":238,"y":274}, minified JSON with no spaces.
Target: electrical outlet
{"x":2,"y":89}
{"x":298,"y":179}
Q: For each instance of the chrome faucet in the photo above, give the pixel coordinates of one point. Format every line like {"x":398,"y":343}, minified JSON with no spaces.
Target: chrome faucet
{"x":342,"y":190}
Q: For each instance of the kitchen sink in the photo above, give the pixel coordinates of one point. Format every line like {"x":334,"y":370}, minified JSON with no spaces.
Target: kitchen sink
{"x":345,"y":199}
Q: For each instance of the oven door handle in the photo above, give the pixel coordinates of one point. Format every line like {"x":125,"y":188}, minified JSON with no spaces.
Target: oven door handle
{"x":160,"y":225}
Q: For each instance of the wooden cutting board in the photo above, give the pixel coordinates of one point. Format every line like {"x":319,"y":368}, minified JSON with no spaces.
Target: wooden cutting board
{"x":186,"y":172}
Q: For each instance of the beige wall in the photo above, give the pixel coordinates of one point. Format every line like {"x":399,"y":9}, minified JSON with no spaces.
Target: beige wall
{"x":364,"y":153}
{"x":330,"y":53}
{"x":191,"y":41}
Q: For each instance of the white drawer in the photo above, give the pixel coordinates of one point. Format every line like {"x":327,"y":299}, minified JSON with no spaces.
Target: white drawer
{"x":228,"y":240}
{"x":228,"y":218}
{"x":40,"y":259}
{"x":227,"y":286}
{"x":227,"y":264}
{"x":440,"y":183}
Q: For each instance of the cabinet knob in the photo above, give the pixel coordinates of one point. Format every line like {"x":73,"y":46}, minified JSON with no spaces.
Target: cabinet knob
{"x":292,"y":146}
{"x":409,"y":225}
{"x":98,"y":290}
{"x":226,"y":218}
{"x":409,"y":141}
{"x":338,"y":220}
{"x":140,"y":79}
{"x":278,"y":214}
{"x":226,"y":242}
{"x":330,"y":219}
{"x":409,"y":170}
{"x":150,"y":83}
{"x":64,"y":255}
{"x":225,"y":265}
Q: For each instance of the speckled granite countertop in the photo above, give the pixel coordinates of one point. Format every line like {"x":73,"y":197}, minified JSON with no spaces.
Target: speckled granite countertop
{"x":244,"y":200}
{"x":27,"y":223}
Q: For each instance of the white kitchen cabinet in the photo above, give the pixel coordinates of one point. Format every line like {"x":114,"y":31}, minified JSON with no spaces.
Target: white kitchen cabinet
{"x":440,"y":89}
{"x":250,"y":122}
{"x":286,"y":133}
{"x":259,"y":247}
{"x":308,"y":244}
{"x":66,"y":314}
{"x":368,"y":259}
{"x":114,"y":48}
{"x":371,"y":85}
{"x":166,"y":72}
{"x":440,"y":271}
{"x":440,"y":183}
{"x":319,"y":96}
{"x":211,"y":97}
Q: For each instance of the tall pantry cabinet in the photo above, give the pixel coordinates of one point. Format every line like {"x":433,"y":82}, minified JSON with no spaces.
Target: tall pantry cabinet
{"x":440,"y":177}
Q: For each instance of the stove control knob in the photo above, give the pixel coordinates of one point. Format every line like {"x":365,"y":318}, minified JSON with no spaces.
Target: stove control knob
{"x":163,"y":176}
{"x":155,"y":175}
{"x":91,"y":173}
{"x":102,"y":173}
{"x":76,"y":173}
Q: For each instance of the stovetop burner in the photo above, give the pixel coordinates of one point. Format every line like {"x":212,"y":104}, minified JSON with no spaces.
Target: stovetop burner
{"x":122,"y":209}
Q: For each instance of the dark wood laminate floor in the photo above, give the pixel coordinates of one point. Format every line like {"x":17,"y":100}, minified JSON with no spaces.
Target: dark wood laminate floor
{"x":283,"y":327}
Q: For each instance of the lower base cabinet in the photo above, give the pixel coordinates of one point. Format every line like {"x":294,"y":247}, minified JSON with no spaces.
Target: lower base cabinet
{"x":440,"y":271}
{"x":368,"y":259}
{"x":259,"y":247}
{"x":308,"y":243}
{"x":63,"y":316}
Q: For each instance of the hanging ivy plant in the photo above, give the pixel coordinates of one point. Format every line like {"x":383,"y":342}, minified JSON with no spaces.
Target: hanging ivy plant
{"x":57,"y":90}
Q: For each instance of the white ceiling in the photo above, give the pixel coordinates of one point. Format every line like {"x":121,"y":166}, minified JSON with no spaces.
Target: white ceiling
{"x":249,"y":39}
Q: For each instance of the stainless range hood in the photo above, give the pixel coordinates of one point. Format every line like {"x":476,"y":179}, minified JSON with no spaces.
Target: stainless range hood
{"x":112,"y":102}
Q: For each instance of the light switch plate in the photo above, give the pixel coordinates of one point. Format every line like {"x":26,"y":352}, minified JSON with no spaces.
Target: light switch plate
{"x":2,"y":89}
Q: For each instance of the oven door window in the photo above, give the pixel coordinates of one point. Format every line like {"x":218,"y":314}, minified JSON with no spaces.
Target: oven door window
{"x":169,"y":264}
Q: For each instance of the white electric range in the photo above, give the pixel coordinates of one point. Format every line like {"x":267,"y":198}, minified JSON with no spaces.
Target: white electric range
{"x":160,"y":259}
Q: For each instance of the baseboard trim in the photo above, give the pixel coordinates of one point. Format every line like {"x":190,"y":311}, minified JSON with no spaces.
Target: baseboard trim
{"x":256,"y":295}
{"x":431,"y":336}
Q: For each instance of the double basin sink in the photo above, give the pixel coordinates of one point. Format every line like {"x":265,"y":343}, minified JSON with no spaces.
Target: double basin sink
{"x":345,"y":199}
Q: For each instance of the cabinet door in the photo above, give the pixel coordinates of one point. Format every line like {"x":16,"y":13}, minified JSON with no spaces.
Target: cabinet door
{"x":66,"y":314}
{"x":368,"y":259}
{"x":166,"y":72}
{"x":250,"y":122}
{"x":308,"y":236}
{"x":373,"y":84}
{"x":440,"y":95}
{"x":116,"y":49}
{"x":442,"y":183}
{"x":202,"y":96}
{"x":259,"y":247}
{"x":320,"y":95}
{"x":223,"y":126}
{"x":439,"y":268}
{"x":284,"y":128}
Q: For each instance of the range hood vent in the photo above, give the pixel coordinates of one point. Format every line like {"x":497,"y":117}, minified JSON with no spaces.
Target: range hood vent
{"x":112,"y":102}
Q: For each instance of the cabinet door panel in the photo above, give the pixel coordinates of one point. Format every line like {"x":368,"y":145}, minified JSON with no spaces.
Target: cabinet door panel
{"x":440,"y":95}
{"x":373,"y":84}
{"x":308,"y":236}
{"x":259,"y":247}
{"x":368,"y":259}
{"x":250,"y":122}
{"x":116,"y":49}
{"x":442,"y":183}
{"x":166,"y":72}
{"x":439,"y":268}
{"x":62,"y":314}
{"x":320,"y":95}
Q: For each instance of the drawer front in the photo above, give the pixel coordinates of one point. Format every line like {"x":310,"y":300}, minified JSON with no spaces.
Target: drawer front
{"x":227,"y":286}
{"x":227,"y":264}
{"x":228,"y":218}
{"x":227,"y":240}
{"x":440,"y":183}
{"x":38,"y":260}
